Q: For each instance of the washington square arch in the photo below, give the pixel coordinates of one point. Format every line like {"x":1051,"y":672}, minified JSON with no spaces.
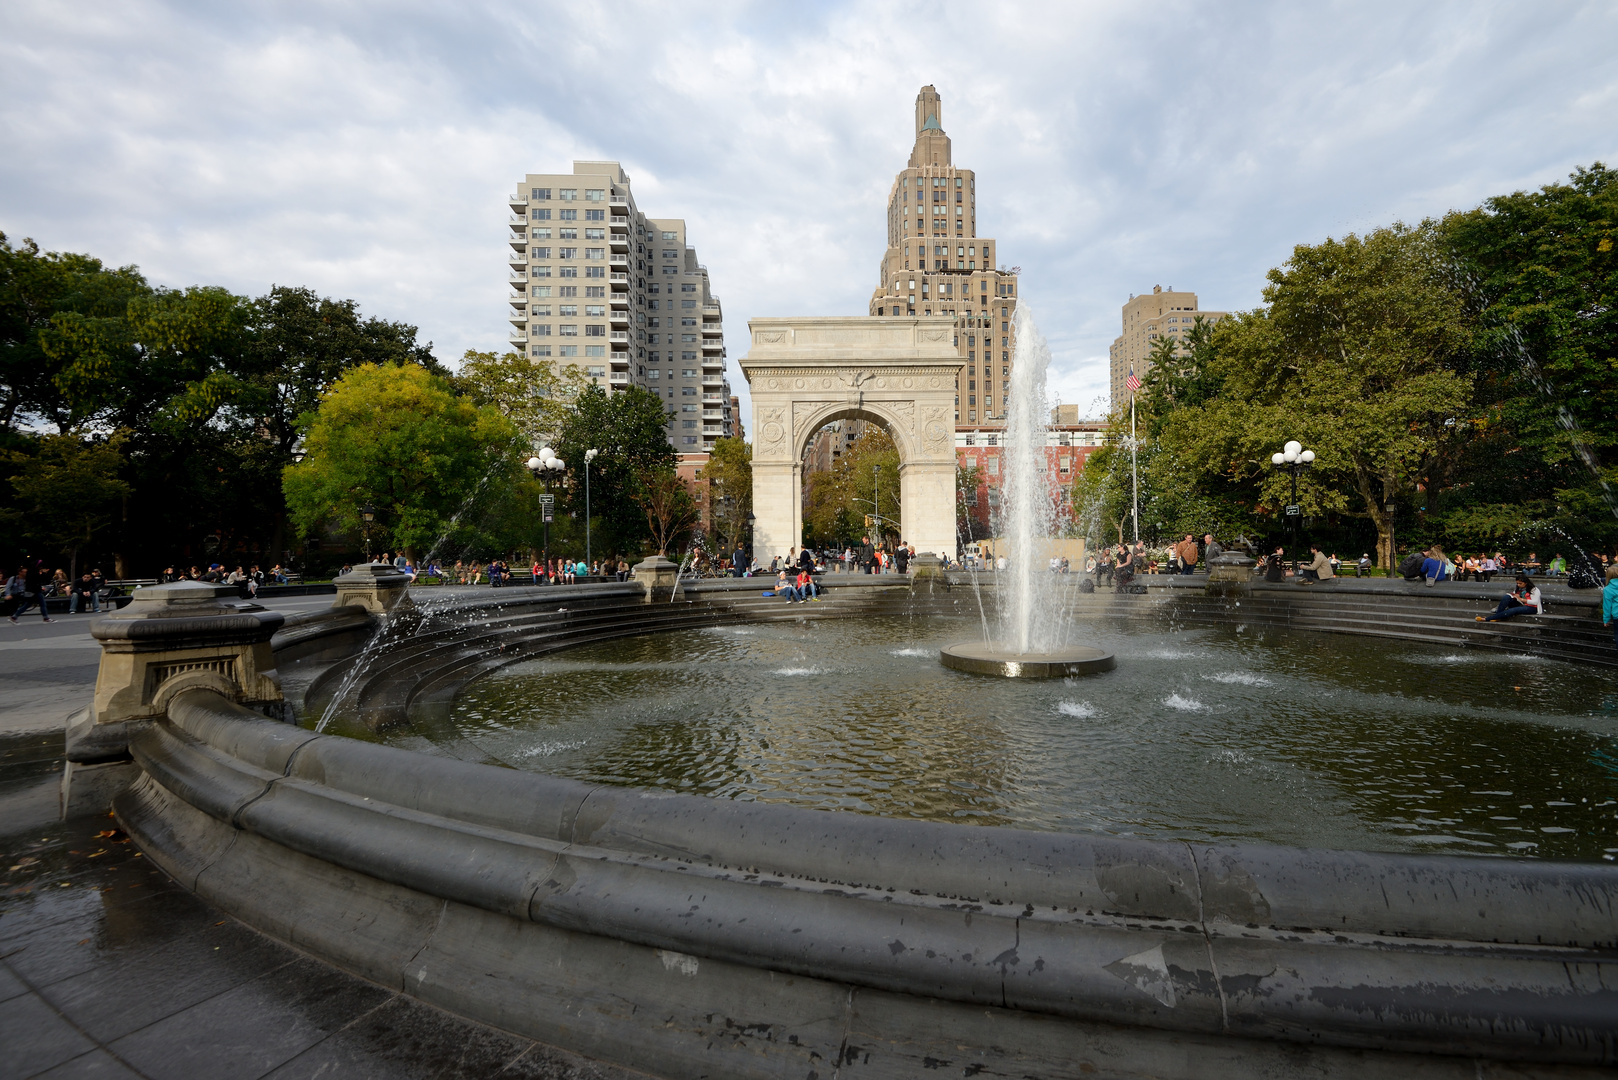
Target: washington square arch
{"x":896,"y":372}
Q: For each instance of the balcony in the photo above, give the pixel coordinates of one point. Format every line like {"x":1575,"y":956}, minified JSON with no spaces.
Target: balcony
{"x":619,"y":223}
{"x":619,"y":317}
{"x":713,"y":328}
{"x":514,"y":276}
{"x":518,"y":242}
{"x":713,"y":345}
{"x":518,"y":221}
{"x":621,"y":359}
{"x":619,"y":378}
{"x":517,"y":337}
{"x":710,"y":380}
{"x":517,"y":258}
{"x":619,"y":335}
{"x":619,"y":281}
{"x":717,"y":363}
{"x":618,"y":200}
{"x":619,"y":300}
{"x":619,"y":242}
{"x":517,"y":202}
{"x":619,"y":260}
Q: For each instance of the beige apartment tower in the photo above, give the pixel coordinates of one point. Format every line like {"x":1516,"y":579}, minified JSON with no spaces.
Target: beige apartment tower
{"x":597,"y":283}
{"x":937,"y":264}
{"x":1161,"y":313}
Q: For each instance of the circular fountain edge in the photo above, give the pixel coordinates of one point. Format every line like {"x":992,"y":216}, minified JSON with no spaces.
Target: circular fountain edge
{"x":985,"y":658}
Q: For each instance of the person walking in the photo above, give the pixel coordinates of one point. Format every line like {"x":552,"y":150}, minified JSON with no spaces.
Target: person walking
{"x":1186,"y":551}
{"x":1211,"y":550}
{"x":1609,"y":602}
{"x":25,"y":586}
{"x":1523,"y":600}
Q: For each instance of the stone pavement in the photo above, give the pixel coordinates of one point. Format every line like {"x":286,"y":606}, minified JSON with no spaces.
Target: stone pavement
{"x":109,"y":969}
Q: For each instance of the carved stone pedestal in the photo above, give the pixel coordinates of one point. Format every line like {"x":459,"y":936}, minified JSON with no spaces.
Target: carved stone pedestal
{"x":379,"y":588}
{"x":657,"y":576}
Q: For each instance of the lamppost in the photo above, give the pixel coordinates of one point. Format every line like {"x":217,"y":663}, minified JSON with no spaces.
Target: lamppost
{"x":546,"y":462}
{"x":589,"y":456}
{"x":1294,"y":459}
{"x":367,"y":515}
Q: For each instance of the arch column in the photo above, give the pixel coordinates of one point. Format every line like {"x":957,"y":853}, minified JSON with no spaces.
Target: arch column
{"x":898,"y":372}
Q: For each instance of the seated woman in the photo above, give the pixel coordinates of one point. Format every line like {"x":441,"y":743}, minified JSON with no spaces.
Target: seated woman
{"x":784,"y":587}
{"x":1275,"y":567}
{"x":1524,"y":600}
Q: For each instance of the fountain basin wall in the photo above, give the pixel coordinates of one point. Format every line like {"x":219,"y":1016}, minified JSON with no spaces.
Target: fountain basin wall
{"x":690,"y":936}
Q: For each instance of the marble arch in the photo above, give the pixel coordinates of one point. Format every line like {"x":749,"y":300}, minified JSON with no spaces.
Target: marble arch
{"x":805,"y":373}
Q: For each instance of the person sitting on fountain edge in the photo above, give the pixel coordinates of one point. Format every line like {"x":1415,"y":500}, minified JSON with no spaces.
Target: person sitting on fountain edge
{"x":784,"y":587}
{"x":1524,"y":600}
{"x":1318,"y":568}
{"x":1275,"y":567}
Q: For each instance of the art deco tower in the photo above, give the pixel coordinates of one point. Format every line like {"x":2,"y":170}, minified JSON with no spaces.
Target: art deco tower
{"x":937,"y":264}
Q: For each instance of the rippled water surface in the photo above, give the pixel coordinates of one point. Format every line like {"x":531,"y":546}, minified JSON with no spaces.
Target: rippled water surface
{"x":1328,"y":741}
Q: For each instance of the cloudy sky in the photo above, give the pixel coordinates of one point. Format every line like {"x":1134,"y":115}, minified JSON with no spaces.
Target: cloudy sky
{"x":365,"y":149}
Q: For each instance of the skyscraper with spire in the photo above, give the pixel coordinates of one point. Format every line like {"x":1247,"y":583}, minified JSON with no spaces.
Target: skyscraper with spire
{"x":937,"y":264}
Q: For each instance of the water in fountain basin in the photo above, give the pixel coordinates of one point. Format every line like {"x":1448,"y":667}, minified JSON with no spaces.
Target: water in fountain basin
{"x":1030,"y":616}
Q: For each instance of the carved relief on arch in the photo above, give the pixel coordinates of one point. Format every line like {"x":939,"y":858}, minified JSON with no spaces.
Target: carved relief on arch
{"x":772,"y":432}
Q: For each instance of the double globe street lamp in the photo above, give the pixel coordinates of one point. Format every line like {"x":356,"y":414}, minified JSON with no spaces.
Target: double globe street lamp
{"x":1294,"y":459}
{"x":547,"y":462}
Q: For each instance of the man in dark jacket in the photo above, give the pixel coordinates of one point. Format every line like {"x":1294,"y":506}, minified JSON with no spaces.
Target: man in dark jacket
{"x":901,"y":558}
{"x":867,"y":554}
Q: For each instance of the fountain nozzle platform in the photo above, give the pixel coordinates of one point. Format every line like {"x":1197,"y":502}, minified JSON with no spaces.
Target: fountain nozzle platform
{"x":988,"y":658}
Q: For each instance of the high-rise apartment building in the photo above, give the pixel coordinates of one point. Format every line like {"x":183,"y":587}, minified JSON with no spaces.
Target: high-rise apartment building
{"x":937,"y":264}
{"x":597,"y":283}
{"x":1147,"y":318}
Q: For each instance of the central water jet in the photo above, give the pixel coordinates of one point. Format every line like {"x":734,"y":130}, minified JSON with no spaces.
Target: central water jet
{"x":1031,"y":642}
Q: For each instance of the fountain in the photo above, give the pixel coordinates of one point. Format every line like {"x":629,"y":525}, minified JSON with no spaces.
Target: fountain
{"x":1031,"y":641}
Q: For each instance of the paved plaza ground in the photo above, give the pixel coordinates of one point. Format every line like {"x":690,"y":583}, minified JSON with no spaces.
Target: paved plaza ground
{"x":109,"y":969}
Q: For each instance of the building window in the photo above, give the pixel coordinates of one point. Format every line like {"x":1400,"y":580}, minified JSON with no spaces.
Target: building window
{"x":539,"y":253}
{"x":567,"y":329}
{"x":567,"y":271}
{"x":542,"y":214}
{"x":567,"y":215}
{"x":671,"y":270}
{"x":595,"y":253}
{"x":598,"y":311}
{"x":653,"y":373}
{"x":689,"y":373}
{"x":567,"y":290}
{"x":595,"y":195}
{"x":688,"y":287}
{"x":595,"y":271}
{"x":690,"y":440}
{"x":541,"y":193}
{"x":567,"y":350}
{"x":539,"y":271}
{"x":540,"y":329}
{"x":688,"y":423}
{"x":595,"y":330}
{"x":667,"y":254}
{"x":671,"y":236}
{"x":595,"y":215}
{"x":595,"y":372}
{"x":569,"y":194}
{"x":542,"y":350}
{"x":542,"y":290}
{"x":688,"y":356}
{"x":688,"y":337}
{"x":595,"y":350}
{"x":595,"y":234}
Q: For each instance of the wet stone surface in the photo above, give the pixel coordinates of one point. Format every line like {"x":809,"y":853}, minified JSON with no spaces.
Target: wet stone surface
{"x":109,"y":969}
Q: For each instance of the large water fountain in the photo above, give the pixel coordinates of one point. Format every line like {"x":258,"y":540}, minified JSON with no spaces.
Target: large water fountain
{"x":1032,"y":638}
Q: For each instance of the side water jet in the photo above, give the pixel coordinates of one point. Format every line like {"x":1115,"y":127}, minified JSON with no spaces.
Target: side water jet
{"x":1030,"y":642}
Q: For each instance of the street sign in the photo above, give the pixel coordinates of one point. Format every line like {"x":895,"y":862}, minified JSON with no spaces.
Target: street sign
{"x":1294,"y":510}
{"x":546,"y":505}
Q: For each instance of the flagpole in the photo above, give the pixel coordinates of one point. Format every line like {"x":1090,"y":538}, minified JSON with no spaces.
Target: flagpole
{"x":1134,"y":462}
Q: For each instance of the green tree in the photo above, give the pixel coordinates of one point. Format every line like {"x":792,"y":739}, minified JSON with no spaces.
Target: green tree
{"x":629,"y":428}
{"x":397,"y":436}
{"x":1356,"y":354}
{"x":536,"y":397}
{"x":670,"y":510}
{"x":728,"y":477}
{"x":863,"y":481}
{"x":1540,"y":275}
{"x":69,"y":490}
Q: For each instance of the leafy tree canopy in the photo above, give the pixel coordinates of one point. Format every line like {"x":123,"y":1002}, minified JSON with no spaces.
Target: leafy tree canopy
{"x":629,"y":429}
{"x":396,"y":436}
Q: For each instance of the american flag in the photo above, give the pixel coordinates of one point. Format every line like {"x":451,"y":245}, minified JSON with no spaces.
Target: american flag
{"x":1132,"y":382}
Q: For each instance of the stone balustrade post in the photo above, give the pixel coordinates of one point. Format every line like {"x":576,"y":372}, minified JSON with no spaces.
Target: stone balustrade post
{"x":657,"y":576}
{"x":169,"y":638}
{"x":379,"y":588}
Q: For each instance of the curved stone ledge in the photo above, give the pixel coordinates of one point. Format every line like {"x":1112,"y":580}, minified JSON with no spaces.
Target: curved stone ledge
{"x":1487,"y":958}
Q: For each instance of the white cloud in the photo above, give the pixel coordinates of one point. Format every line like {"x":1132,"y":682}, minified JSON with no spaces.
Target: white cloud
{"x":365,"y":149}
